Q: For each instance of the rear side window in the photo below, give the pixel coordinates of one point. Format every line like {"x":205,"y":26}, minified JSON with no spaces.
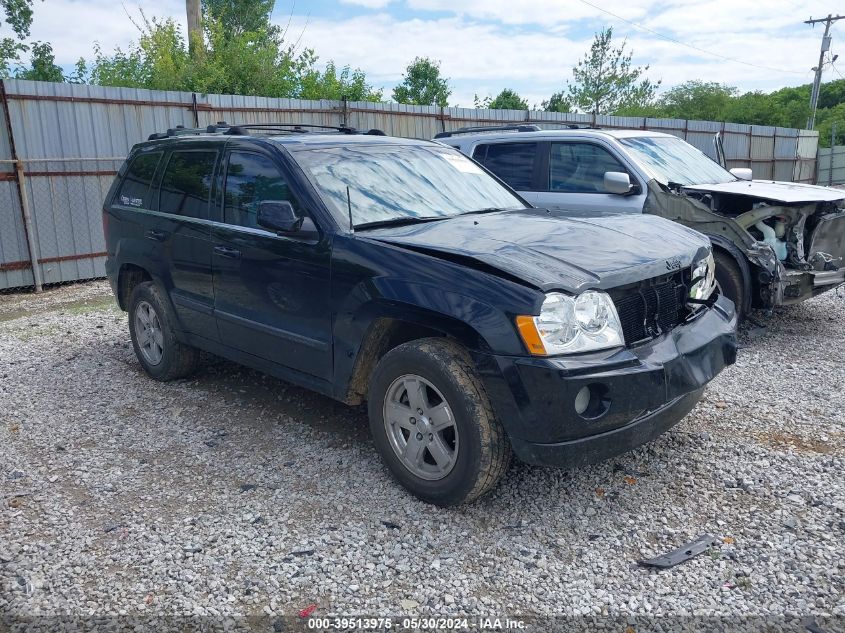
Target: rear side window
{"x":512,"y":162}
{"x":250,"y":180}
{"x":580,"y":167}
{"x":135,"y":188}
{"x":186,"y":183}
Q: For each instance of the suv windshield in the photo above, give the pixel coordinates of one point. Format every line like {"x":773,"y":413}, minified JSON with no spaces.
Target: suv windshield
{"x":401,"y":182}
{"x":673,"y":160}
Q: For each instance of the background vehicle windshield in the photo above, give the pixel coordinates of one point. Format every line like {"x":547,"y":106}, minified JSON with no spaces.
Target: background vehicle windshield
{"x":674,"y":160}
{"x":401,"y":181}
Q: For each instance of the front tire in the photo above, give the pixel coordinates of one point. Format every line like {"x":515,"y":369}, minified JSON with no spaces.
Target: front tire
{"x":433,"y":424}
{"x":729,"y":280}
{"x":151,"y":327}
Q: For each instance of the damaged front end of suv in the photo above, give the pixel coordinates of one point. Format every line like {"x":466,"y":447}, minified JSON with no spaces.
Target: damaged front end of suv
{"x":792,"y":236}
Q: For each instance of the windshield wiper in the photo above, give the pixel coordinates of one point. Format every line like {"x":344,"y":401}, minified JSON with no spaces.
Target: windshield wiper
{"x":487,"y":210}
{"x":377,"y":224}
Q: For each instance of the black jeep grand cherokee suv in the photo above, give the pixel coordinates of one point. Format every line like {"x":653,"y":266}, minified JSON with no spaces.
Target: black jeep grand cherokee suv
{"x":400,"y":272}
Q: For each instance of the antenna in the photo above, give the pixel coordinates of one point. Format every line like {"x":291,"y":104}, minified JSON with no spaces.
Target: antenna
{"x":349,"y":207}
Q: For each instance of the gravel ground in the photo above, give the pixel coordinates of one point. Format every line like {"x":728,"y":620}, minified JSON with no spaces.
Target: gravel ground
{"x":233,"y":493}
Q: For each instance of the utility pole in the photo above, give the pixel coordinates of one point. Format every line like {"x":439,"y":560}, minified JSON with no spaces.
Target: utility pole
{"x":194,"y":25}
{"x":817,"y":82}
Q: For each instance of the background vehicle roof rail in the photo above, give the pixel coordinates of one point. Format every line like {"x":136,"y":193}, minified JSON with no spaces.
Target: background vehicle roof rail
{"x":490,"y":128}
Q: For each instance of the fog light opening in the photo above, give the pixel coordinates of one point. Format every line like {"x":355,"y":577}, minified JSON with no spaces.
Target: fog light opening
{"x":592,"y":401}
{"x":582,"y":400}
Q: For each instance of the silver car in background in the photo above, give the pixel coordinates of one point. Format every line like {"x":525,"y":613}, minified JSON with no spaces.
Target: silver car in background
{"x":775,"y":243}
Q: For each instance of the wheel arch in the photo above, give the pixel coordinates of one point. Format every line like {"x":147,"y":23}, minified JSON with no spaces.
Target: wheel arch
{"x":128,"y":277}
{"x":724,"y":245}
{"x":390,"y":328}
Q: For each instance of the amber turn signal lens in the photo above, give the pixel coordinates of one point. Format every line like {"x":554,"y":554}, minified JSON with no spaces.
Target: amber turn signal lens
{"x":530,"y":335}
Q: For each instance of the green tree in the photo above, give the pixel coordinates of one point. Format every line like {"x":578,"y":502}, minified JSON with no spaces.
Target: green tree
{"x":18,"y":15}
{"x":557,"y":103}
{"x":508,"y":99}
{"x":422,"y":84}
{"x":334,"y":84}
{"x":42,"y":66}
{"x":237,"y":17}
{"x":158,"y":61}
{"x":605,"y":81}
{"x":695,"y":99}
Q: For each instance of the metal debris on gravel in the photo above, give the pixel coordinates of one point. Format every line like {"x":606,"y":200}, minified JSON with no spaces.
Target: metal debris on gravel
{"x":233,"y":493}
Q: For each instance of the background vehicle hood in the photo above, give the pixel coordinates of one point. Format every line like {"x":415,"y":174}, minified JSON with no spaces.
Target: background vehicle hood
{"x":783,"y":192}
{"x":547,"y":250}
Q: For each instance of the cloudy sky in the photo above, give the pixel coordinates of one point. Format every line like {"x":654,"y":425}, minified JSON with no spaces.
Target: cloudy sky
{"x":487,"y":45}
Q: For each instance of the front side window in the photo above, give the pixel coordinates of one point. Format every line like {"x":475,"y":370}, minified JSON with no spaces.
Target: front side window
{"x":580,"y":167}
{"x":250,"y":180}
{"x":135,"y":188}
{"x":396,"y":182}
{"x":512,"y":162}
{"x":186,"y":183}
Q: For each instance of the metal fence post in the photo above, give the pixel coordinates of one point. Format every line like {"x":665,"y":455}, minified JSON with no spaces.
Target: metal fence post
{"x":832,"y":145}
{"x":29,"y":227}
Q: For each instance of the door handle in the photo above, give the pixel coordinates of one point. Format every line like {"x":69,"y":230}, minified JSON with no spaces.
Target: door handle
{"x":158,"y":236}
{"x":224,"y":251}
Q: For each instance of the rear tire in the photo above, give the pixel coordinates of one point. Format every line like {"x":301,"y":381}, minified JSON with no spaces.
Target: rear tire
{"x":729,"y":279}
{"x":151,"y":326}
{"x":433,"y":424}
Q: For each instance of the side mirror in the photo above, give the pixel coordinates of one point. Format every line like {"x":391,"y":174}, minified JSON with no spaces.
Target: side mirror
{"x":617,"y":182}
{"x":278,"y":216}
{"x":743,"y":173}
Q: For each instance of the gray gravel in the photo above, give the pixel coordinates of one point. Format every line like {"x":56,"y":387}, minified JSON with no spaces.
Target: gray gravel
{"x":234,"y":493}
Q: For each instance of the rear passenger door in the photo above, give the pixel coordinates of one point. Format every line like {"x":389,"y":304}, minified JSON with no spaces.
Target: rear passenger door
{"x":573,"y":180}
{"x":271,"y":290}
{"x":514,"y":162}
{"x":181,"y":231}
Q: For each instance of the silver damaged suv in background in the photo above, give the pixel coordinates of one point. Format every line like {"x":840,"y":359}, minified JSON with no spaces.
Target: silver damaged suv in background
{"x":775,"y":243}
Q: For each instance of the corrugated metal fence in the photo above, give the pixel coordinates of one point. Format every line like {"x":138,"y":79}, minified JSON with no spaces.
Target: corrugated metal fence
{"x":61,"y":144}
{"x":832,"y":165}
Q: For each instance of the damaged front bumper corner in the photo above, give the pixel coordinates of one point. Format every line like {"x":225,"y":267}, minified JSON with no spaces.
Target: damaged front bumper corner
{"x":780,"y":285}
{"x":639,"y":392}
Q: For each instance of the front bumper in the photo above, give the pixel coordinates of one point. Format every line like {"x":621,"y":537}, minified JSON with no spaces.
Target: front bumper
{"x":635,"y":394}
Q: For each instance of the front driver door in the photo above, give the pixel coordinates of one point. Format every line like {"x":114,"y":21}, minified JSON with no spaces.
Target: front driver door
{"x":574,"y":181}
{"x":271,"y":291}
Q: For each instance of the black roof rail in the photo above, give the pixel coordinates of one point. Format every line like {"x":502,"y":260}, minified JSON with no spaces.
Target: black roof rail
{"x":295,"y":128}
{"x":221,"y":127}
{"x":529,"y":127}
{"x":181,"y":130}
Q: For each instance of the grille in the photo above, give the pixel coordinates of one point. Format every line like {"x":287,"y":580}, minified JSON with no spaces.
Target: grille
{"x":646,"y":311}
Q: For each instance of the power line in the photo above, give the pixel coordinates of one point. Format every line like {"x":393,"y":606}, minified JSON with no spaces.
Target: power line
{"x":695,"y":48}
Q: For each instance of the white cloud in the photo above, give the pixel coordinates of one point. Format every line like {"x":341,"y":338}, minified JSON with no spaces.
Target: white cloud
{"x":542,"y":12}
{"x":369,"y":4}
{"x":488,"y":45}
{"x":72,"y":26}
{"x":481,"y":57}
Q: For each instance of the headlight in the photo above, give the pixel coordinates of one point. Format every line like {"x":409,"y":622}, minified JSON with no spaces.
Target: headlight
{"x":568,"y":325}
{"x":703,"y":279}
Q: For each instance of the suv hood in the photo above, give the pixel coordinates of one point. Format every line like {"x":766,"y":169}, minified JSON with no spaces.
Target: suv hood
{"x":782,"y":192}
{"x":547,"y":250}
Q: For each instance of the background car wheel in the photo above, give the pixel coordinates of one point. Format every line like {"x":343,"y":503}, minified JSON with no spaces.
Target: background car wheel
{"x":729,"y":281}
{"x":161,"y":355}
{"x":433,"y":424}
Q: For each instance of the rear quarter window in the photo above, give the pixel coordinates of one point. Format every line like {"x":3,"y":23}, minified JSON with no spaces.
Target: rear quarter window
{"x":186,"y":183}
{"x":135,"y":188}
